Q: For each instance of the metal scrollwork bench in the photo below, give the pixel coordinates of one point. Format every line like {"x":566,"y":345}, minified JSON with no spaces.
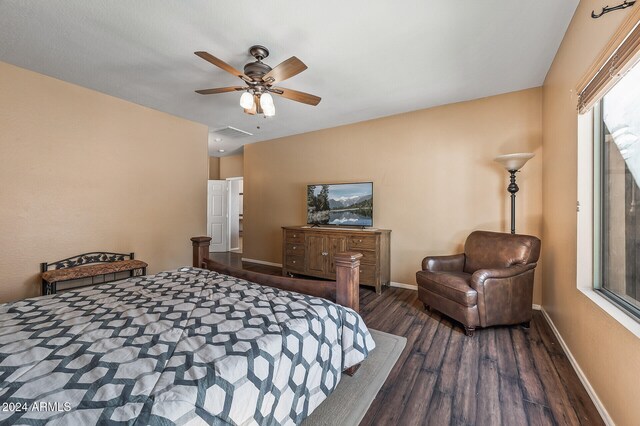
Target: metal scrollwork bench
{"x":89,"y":265}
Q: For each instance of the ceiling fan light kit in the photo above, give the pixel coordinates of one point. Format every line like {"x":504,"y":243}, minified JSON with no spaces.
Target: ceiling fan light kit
{"x":260,"y":79}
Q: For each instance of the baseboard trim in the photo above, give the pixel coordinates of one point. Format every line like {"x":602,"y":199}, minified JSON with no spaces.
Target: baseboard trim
{"x":403,"y":285}
{"x":262,"y":262}
{"x":592,"y":393}
{"x":536,"y":307}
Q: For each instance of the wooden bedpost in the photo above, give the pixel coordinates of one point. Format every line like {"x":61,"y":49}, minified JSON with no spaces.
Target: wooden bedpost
{"x":348,"y":286}
{"x":348,"y":279}
{"x":200,"y":250}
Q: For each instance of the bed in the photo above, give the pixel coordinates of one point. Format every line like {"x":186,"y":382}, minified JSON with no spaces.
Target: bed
{"x":187,"y":346}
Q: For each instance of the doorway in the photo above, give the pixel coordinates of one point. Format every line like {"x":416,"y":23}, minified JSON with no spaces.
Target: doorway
{"x":225,"y":214}
{"x":236,"y":198}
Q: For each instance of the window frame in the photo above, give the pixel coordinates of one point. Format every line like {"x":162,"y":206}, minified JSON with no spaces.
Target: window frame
{"x":586,"y":238}
{"x":599,"y":216}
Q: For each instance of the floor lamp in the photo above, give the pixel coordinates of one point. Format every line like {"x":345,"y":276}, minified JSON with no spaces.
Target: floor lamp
{"x":513,"y":163}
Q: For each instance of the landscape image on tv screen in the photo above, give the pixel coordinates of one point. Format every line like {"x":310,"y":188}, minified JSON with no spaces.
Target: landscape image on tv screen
{"x":346,"y":204}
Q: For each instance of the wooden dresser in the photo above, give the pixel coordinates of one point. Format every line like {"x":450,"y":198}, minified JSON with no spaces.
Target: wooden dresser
{"x":311,"y":251}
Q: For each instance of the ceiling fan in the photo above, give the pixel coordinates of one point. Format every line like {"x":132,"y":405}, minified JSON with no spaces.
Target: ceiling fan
{"x":259,"y":79}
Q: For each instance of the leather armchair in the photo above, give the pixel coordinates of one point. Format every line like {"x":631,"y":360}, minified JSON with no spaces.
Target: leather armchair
{"x":491,"y":283}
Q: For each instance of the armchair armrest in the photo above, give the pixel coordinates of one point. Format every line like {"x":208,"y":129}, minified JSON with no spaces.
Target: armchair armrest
{"x":481,"y":275}
{"x":452,"y":263}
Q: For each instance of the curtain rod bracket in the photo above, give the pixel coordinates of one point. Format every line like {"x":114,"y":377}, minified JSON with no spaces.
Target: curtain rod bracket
{"x":625,"y":4}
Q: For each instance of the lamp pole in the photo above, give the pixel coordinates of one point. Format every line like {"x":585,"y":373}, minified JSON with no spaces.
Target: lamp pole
{"x":513,"y":188}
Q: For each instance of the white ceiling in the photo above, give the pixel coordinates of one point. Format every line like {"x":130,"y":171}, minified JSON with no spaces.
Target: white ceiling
{"x":366,"y":59}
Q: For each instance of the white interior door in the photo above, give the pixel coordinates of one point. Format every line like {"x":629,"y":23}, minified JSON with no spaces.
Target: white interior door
{"x":218,"y":215}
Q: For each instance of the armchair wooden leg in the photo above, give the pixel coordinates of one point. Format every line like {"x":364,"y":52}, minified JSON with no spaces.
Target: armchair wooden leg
{"x":469,"y":331}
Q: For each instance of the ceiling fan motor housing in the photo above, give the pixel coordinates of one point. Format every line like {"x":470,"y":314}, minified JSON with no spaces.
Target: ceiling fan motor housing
{"x":255,"y":70}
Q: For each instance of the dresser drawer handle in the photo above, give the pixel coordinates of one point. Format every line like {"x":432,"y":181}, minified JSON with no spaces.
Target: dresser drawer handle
{"x":293,"y":261}
{"x":359,"y":241}
{"x":324,"y":253}
{"x":294,"y":247}
{"x":295,"y":235}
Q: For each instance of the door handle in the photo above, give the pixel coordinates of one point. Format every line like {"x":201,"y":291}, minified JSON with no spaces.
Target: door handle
{"x":324,"y":253}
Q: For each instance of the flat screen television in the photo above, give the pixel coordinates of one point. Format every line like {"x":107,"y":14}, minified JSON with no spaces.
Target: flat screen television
{"x":341,"y":204}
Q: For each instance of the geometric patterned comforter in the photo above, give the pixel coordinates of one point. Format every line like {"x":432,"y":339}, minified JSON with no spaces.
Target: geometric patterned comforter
{"x":189,"y":346}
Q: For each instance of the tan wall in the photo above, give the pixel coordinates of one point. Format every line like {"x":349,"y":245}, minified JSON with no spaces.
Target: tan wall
{"x":608,"y":354}
{"x":214,"y":168}
{"x":232,"y":166}
{"x":82,"y":171}
{"x":433,"y":173}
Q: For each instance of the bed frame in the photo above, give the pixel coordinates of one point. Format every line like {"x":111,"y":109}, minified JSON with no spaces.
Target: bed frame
{"x":344,"y":290}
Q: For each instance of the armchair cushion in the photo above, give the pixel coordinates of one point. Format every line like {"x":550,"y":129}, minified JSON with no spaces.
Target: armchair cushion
{"x":451,"y":285}
{"x":452,"y":263}
{"x":481,"y":275}
{"x":497,"y":250}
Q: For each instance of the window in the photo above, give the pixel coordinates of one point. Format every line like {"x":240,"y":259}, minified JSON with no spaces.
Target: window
{"x":608,"y":225}
{"x":617,"y":193}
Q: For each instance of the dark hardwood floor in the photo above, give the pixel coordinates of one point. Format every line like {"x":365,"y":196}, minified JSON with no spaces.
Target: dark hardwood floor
{"x":500,"y":376}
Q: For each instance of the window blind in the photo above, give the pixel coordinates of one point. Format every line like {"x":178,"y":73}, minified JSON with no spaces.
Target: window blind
{"x":617,"y":64}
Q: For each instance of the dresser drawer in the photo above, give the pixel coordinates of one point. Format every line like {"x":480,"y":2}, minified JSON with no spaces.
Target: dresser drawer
{"x":367,"y":274}
{"x":367,"y":242}
{"x":368,"y":256}
{"x":295,"y":249}
{"x":295,"y":263}
{"x":294,"y":236}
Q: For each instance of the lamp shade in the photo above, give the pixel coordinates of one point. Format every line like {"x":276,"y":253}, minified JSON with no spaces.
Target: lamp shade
{"x":266,"y":101}
{"x":514,"y":161}
{"x":269,"y":110}
{"x":246,"y":100}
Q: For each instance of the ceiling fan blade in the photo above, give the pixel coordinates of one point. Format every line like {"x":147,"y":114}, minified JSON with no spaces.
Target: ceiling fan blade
{"x":287,"y":69}
{"x":294,"y":95}
{"x":222,"y":64}
{"x":220,"y":90}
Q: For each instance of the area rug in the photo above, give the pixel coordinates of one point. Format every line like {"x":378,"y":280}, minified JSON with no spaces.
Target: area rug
{"x":348,"y":404}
